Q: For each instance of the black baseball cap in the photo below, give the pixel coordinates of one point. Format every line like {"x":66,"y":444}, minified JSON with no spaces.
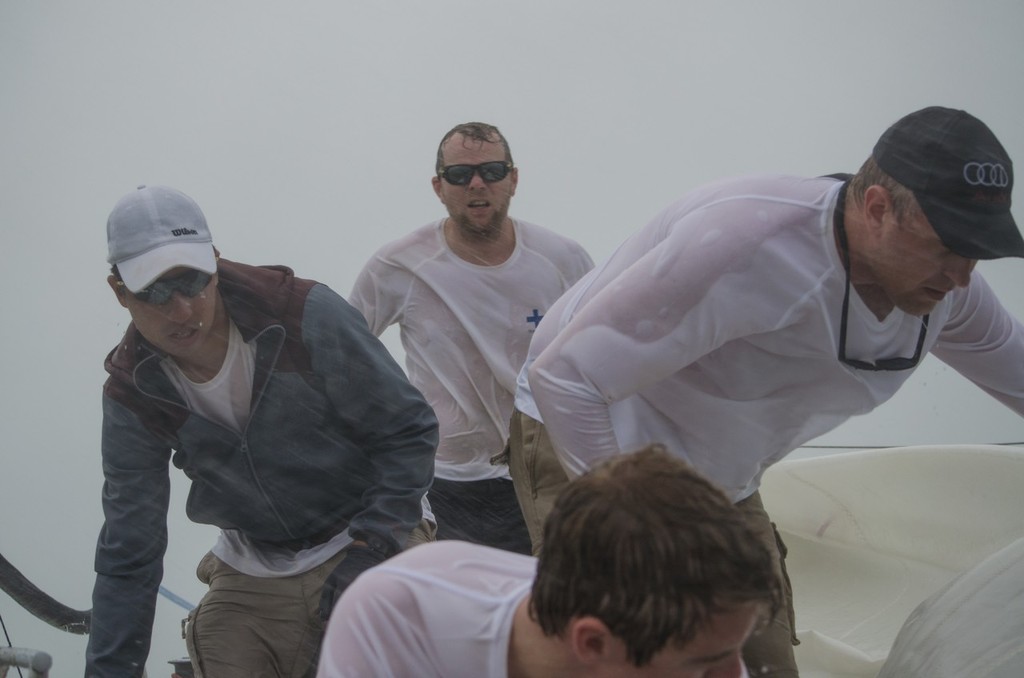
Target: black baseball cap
{"x":961,"y":177}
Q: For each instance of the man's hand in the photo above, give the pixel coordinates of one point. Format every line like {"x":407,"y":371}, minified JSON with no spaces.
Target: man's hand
{"x":358,"y":558}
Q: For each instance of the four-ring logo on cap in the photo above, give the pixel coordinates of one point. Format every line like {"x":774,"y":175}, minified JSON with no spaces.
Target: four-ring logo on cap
{"x":991,"y":174}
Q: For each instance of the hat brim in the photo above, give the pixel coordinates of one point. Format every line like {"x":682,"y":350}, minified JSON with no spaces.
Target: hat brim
{"x":973,"y":233}
{"x":139,"y":272}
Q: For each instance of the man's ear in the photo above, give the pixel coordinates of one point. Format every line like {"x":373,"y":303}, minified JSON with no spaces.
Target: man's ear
{"x":877,"y":203}
{"x":119,"y":289}
{"x":590,"y":641}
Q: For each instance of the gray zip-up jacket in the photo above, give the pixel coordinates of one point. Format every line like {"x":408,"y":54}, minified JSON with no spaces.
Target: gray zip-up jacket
{"x":337,"y":437}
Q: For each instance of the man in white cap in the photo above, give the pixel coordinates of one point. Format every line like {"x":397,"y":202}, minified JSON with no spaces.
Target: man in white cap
{"x":758,"y":313}
{"x":302,"y":438}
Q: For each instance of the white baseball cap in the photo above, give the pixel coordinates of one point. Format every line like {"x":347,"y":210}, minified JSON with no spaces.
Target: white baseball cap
{"x":154,"y":229}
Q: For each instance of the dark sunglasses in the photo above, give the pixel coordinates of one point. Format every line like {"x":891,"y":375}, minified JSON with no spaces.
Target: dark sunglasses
{"x":188,"y":284}
{"x":460,"y":175}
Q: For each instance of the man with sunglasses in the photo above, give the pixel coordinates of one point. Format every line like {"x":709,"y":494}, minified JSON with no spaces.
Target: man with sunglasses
{"x":303,"y":440}
{"x":758,"y":313}
{"x":467,"y":292}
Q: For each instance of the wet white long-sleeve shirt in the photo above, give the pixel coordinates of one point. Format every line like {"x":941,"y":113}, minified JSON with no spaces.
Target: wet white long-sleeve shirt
{"x":714,"y":330}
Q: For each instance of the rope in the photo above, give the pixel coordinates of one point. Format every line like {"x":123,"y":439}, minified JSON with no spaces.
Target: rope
{"x":8,"y":638}
{"x":43,"y":606}
{"x":175,"y":598}
{"x":30,"y":597}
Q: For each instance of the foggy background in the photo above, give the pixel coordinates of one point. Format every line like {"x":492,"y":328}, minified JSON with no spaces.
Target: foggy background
{"x":307,"y":132}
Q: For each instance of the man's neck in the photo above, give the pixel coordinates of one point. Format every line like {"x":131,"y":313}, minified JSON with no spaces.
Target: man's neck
{"x":483,"y":248}
{"x":875,"y":299}
{"x":873,"y":296}
{"x":531,"y":654}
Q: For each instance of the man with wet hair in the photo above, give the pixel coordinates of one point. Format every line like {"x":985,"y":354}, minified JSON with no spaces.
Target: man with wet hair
{"x":303,"y":441}
{"x":467,"y":292}
{"x":758,"y":313}
{"x":648,"y":570}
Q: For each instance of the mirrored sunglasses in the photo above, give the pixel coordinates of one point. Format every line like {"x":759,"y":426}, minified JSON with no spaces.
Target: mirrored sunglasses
{"x":188,"y":284}
{"x":460,"y":175}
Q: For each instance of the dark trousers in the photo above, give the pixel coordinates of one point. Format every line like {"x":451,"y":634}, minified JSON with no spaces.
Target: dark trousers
{"x":480,"y":511}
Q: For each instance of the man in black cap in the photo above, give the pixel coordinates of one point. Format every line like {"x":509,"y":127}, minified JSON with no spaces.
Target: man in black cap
{"x":756,"y":314}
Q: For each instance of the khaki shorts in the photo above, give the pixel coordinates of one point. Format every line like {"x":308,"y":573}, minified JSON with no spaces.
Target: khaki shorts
{"x":769,"y":652}
{"x":536,"y":473}
{"x":255,"y":627}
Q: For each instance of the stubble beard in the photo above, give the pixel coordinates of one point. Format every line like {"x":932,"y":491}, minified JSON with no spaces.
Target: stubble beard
{"x":487,"y":231}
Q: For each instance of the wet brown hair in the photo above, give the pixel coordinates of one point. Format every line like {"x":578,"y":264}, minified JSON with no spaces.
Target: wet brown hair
{"x":652,"y":549}
{"x":475,"y":131}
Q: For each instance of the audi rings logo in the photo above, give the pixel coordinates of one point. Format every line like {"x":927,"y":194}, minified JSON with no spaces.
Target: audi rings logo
{"x":991,"y":174}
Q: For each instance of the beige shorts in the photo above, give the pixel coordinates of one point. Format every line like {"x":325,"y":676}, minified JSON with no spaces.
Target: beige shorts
{"x":251,"y":627}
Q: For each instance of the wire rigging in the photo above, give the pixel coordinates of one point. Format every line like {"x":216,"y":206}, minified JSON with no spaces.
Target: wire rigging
{"x":7,"y":637}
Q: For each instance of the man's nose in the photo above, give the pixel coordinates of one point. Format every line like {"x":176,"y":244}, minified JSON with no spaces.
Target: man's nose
{"x":179,"y":308}
{"x":476,"y":181}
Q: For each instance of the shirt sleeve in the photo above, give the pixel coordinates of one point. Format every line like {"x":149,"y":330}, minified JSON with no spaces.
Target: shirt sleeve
{"x":131,"y":545}
{"x":578,"y":266}
{"x":385,"y":414}
{"x":984,"y":343}
{"x":380,"y":293}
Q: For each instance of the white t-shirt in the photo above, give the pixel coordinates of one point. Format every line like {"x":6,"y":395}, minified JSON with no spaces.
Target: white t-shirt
{"x":439,"y":610}
{"x":466,"y":329}
{"x":714,"y":330}
{"x":227,"y":398}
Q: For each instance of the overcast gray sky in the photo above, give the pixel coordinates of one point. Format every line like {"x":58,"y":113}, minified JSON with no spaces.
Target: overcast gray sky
{"x":307,"y":131}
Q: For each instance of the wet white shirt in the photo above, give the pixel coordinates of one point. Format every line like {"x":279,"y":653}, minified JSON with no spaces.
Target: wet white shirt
{"x":439,"y":610}
{"x":466,"y":328}
{"x":714,"y":330}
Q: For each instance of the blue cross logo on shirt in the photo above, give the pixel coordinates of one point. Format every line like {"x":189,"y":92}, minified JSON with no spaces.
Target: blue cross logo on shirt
{"x":535,"y":318}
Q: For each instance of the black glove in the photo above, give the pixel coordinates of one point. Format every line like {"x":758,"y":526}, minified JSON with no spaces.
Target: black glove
{"x":358,"y":558}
